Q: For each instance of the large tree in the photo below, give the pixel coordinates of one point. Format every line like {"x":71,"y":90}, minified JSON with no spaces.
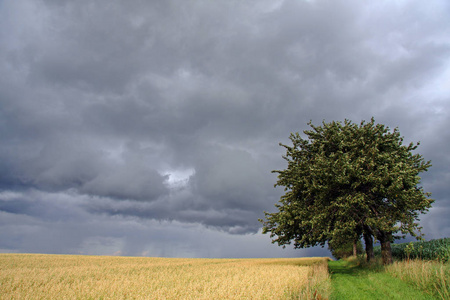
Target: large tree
{"x":347,"y":180}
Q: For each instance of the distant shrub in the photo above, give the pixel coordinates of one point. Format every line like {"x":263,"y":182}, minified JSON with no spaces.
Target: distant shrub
{"x":438,"y":249}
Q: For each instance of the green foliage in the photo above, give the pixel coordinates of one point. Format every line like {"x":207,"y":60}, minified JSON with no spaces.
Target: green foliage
{"x":345,"y":179}
{"x":408,"y":249}
{"x":345,"y":249}
{"x":438,"y":249}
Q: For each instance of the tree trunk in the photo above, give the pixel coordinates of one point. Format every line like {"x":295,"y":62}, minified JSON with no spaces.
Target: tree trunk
{"x":354,"y":248}
{"x":386,"y":251}
{"x":368,"y":240}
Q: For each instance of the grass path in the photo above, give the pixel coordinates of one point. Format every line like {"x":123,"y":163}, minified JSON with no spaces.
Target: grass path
{"x":353,"y":282}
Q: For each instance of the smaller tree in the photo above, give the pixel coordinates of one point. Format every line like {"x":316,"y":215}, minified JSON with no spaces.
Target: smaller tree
{"x":345,"y":248}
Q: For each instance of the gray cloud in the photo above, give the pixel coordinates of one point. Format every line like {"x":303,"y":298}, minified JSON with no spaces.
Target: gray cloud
{"x":128,"y":123}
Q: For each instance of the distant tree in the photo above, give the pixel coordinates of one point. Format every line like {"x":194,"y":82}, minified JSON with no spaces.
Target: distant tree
{"x":343,"y":249}
{"x":347,"y":181}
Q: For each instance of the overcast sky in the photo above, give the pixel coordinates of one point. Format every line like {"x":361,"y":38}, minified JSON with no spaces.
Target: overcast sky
{"x":152,"y":127}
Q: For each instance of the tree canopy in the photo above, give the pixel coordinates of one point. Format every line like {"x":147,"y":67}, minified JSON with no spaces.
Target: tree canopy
{"x":347,"y":180}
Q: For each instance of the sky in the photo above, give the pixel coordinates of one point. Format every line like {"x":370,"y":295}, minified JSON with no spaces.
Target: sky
{"x":152,"y":127}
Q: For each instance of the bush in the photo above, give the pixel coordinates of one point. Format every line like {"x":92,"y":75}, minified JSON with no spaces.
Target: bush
{"x":438,"y":249}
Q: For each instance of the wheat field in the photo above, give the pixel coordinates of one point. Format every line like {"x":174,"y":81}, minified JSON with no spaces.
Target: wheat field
{"x":37,"y":276}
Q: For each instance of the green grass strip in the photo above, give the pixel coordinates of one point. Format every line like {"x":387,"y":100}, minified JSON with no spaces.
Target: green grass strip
{"x":355,"y":282}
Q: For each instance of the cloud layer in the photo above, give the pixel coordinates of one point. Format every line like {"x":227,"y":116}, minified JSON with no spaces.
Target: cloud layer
{"x":136,"y":127}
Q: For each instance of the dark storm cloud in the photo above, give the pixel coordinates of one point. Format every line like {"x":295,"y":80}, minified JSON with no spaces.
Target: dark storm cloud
{"x":122,"y":117}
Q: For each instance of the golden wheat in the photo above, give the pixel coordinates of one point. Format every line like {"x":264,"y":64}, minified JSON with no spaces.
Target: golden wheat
{"x":319,"y":282}
{"x":36,"y":276}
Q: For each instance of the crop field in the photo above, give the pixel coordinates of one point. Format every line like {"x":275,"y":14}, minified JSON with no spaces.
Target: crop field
{"x":36,"y":276}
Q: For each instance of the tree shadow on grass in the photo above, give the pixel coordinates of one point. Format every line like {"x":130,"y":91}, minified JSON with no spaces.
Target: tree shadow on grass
{"x":353,"y":281}
{"x":347,"y":268}
{"x":342,"y":269}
